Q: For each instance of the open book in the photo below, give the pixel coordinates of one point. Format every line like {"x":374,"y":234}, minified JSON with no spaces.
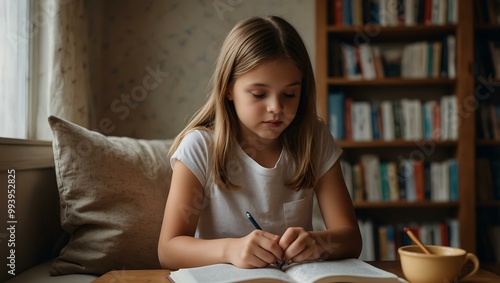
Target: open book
{"x":346,"y":270}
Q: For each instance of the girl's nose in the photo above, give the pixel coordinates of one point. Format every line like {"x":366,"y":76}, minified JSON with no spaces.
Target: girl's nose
{"x":275,"y":106}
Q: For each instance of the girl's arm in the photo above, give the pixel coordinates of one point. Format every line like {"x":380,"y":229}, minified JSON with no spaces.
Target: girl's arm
{"x":177,"y":247}
{"x":341,"y":239}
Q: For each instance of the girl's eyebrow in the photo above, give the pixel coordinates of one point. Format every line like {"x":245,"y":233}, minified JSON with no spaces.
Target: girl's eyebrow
{"x":265,"y":85}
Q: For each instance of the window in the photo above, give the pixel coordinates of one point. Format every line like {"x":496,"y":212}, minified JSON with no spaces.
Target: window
{"x":14,"y":59}
{"x":18,"y":42}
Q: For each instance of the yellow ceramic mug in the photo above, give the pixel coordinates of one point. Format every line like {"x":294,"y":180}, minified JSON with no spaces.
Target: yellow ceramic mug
{"x":442,"y":265}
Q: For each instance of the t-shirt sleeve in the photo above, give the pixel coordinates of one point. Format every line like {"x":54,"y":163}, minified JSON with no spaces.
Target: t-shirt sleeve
{"x":193,"y":152}
{"x":329,"y":151}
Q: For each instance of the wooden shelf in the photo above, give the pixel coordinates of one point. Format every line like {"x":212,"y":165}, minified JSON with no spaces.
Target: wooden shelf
{"x":490,"y":203}
{"x":489,"y":82}
{"x":392,"y":32}
{"x":487,"y":27}
{"x":404,"y":204}
{"x":397,"y":143}
{"x":394,"y":88}
{"x":488,"y":142}
{"x":390,"y":82}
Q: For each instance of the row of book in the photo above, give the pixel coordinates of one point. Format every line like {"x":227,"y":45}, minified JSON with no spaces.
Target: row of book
{"x":394,"y":12}
{"x":361,"y":61}
{"x":487,"y":57}
{"x":373,"y":180}
{"x":487,"y":11}
{"x":388,"y":120}
{"x":489,"y":120}
{"x":416,"y":60}
{"x":381,"y":242}
{"x":429,"y":60}
{"x":488,"y":179}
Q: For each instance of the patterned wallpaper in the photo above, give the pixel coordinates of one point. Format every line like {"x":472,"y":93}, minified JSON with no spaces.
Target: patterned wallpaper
{"x":157,"y":56}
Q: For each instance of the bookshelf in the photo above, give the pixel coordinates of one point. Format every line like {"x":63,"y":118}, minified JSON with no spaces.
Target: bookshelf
{"x":487,"y":93}
{"x":458,"y":85}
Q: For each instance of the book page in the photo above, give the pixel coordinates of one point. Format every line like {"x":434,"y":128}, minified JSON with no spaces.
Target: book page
{"x":346,"y":270}
{"x":229,"y":273}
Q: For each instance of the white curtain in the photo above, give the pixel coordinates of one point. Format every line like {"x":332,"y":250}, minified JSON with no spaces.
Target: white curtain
{"x":63,"y":83}
{"x":14,"y":49}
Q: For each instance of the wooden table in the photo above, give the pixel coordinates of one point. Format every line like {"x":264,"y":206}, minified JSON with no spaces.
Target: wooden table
{"x":481,"y":275}
{"x":150,"y":276}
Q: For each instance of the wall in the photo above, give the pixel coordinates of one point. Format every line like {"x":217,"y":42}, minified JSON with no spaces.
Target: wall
{"x":157,"y":57}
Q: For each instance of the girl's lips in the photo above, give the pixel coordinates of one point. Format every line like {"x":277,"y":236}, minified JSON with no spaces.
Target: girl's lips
{"x":273,"y":124}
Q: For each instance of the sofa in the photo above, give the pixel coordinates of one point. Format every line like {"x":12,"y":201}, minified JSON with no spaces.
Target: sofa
{"x":99,"y":208}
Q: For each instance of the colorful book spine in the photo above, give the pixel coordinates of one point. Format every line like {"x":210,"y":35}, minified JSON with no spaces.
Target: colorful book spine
{"x":453,"y":168}
{"x":336,"y":115}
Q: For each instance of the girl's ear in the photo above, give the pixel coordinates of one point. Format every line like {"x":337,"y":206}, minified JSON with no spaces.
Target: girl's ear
{"x":229,"y":94}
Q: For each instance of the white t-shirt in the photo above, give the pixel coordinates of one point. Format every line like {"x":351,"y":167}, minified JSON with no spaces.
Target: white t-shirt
{"x":262,"y":191}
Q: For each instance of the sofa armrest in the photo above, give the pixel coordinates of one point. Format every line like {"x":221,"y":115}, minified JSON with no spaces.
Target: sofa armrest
{"x":37,"y":233}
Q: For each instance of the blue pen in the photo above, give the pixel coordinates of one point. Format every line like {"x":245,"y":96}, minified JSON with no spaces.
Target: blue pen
{"x":250,"y":217}
{"x":257,"y":226}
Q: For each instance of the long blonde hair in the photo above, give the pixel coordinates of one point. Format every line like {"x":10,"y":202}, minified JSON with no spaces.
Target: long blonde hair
{"x":250,"y":43}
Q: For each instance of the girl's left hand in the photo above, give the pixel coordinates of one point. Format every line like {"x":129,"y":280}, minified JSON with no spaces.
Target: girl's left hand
{"x":299,"y":245}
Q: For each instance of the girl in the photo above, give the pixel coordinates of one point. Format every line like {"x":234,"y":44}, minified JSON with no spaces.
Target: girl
{"x":257,"y":145}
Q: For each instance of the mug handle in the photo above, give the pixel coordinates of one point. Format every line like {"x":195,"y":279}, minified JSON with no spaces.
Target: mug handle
{"x":472,"y":257}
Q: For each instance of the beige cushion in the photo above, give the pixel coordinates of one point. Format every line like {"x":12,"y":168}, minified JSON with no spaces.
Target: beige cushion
{"x":112,"y":195}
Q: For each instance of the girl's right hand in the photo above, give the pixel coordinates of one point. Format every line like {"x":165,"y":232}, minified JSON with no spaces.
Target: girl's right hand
{"x":257,"y":249}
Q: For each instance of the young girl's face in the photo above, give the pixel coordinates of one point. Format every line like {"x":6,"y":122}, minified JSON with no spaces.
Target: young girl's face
{"x":266,"y":99}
